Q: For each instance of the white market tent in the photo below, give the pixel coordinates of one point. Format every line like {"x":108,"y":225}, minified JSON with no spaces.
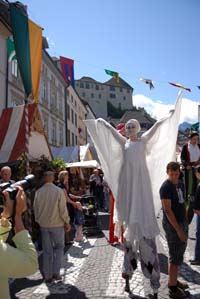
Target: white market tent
{"x":84,"y":164}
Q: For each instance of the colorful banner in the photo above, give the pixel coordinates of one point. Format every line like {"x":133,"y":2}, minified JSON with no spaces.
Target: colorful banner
{"x":28,"y":46}
{"x":113,"y":74}
{"x":149,"y":82}
{"x":67,"y":67}
{"x":179,"y":86}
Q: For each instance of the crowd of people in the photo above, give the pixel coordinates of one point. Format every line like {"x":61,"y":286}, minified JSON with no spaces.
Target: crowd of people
{"x":56,"y":210}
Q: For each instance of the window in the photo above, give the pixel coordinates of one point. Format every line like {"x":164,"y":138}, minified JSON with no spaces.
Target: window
{"x":53,"y":100}
{"x":124,"y":98}
{"x":72,"y":99}
{"x":92,"y":95}
{"x":46,"y":123}
{"x":53,"y":132}
{"x":99,"y":96}
{"x":97,"y":87}
{"x":60,"y":107}
{"x":75,"y":120}
{"x":128,"y":90}
{"x":87,"y":85}
{"x":72,"y":138}
{"x":43,"y":90}
{"x":14,"y":68}
{"x":61,"y":134}
{"x":83,"y":94}
{"x":68,"y":112}
{"x":68,"y":137}
{"x":112,"y":96}
{"x":81,"y":85}
{"x":121,"y":89}
{"x":72,"y":115}
{"x":75,"y":103}
{"x":112,"y":88}
{"x":76,"y":140}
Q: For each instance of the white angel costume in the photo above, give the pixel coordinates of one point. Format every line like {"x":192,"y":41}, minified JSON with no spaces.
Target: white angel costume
{"x":135,"y":170}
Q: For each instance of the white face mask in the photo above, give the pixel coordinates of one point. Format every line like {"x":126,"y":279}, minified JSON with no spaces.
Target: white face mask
{"x":5,"y":227}
{"x":132,"y":127}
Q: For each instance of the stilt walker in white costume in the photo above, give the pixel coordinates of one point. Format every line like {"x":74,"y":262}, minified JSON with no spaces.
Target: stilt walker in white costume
{"x":135,"y":169}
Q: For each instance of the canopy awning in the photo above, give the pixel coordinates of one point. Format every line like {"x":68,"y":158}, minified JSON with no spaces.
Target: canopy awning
{"x":84,"y":164}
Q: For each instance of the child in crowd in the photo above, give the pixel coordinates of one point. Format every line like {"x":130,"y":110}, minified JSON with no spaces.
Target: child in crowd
{"x":78,"y":223}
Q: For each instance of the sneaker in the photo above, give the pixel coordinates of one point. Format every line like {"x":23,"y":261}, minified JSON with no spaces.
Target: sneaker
{"x":182,"y":285}
{"x":195,"y":262}
{"x":48,"y":280}
{"x":178,"y":294}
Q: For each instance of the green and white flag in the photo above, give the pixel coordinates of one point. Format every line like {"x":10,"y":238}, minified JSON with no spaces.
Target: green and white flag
{"x":11,"y":54}
{"x":113,"y":74}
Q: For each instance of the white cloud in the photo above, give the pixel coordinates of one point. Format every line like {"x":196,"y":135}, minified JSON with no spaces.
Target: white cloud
{"x":158,"y":109}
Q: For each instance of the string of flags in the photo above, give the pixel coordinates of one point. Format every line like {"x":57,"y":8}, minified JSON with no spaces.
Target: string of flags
{"x":67,"y":68}
{"x":148,"y":81}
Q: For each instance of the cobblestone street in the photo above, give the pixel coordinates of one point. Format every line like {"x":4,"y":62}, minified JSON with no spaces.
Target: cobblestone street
{"x":93,"y":270}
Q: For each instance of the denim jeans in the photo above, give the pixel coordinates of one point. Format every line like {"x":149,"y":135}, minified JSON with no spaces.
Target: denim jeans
{"x":197,"y":243}
{"x":53,"y":250}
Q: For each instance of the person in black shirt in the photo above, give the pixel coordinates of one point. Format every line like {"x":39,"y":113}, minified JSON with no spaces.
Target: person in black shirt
{"x":196,"y":207}
{"x":175,"y":226}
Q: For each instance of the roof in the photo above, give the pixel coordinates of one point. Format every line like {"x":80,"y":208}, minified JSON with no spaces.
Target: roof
{"x":88,"y":79}
{"x":68,"y":153}
{"x":122,"y":83}
{"x":111,"y":82}
{"x":12,"y":134}
{"x":71,"y":153}
{"x":87,"y":104}
{"x":139,"y":115}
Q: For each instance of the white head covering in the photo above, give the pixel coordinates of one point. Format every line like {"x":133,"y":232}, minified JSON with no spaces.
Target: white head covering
{"x":132,"y":127}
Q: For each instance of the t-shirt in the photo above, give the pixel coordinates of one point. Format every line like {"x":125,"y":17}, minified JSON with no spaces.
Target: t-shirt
{"x":176,"y":194}
{"x":197,"y":198}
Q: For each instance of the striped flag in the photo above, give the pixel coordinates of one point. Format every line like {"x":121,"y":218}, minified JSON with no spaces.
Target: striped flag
{"x":12,"y":134}
{"x":28,"y":46}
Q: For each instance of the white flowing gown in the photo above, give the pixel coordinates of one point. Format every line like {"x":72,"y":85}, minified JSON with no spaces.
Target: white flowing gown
{"x":136,"y":207}
{"x":135,"y":170}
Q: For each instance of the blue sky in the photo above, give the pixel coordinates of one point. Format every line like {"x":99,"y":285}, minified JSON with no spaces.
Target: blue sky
{"x":138,"y":38}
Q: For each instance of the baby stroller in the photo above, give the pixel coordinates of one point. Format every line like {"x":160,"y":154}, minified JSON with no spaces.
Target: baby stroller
{"x":90,"y":212}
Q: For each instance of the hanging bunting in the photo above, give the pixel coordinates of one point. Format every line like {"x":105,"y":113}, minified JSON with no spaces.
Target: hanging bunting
{"x":149,"y":82}
{"x":113,"y":74}
{"x":180,"y":86}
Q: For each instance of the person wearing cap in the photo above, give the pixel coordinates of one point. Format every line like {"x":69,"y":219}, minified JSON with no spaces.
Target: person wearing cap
{"x":52,"y":215}
{"x":190,"y":158}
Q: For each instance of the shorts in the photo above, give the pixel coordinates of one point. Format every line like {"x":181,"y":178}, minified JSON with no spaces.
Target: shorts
{"x":176,"y":246}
